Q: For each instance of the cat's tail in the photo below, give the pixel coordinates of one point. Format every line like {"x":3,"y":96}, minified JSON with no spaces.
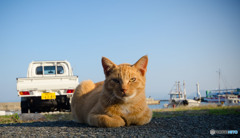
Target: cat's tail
{"x":84,"y":87}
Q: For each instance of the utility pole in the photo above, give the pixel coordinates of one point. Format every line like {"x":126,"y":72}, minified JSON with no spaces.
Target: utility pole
{"x":219,"y":78}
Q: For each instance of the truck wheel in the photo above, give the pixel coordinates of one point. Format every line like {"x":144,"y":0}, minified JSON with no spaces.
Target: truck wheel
{"x":24,"y":107}
{"x":32,"y":110}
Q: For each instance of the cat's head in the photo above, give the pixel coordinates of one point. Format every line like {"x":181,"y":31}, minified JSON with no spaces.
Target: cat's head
{"x":125,"y":81}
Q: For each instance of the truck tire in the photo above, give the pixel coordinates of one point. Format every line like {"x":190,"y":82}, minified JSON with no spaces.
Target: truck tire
{"x":32,"y":110}
{"x":24,"y":107}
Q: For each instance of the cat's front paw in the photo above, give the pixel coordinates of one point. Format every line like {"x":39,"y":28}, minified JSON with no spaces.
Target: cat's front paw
{"x":106,"y":121}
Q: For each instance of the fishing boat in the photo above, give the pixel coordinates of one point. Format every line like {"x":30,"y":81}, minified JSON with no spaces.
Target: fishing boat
{"x":151,"y":101}
{"x":179,"y":97}
{"x":221,"y":95}
{"x":232,"y":100}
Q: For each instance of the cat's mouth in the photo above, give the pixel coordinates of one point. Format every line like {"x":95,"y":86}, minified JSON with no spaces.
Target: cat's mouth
{"x":125,"y":96}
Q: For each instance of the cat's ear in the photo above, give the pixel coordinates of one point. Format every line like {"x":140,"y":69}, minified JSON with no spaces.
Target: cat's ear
{"x":141,"y":64}
{"x":108,"y":65}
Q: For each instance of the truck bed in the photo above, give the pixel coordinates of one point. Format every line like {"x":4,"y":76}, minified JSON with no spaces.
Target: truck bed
{"x":47,"y":83}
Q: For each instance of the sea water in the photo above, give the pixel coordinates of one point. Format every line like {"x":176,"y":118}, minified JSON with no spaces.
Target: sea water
{"x":161,"y":105}
{"x":158,"y":106}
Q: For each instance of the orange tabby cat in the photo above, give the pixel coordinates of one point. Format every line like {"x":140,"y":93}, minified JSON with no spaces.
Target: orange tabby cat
{"x":118,"y":101}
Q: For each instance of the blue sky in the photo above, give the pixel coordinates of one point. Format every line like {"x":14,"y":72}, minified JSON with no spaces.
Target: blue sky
{"x":185,"y":40}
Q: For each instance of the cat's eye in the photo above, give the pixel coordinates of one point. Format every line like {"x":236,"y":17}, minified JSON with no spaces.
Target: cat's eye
{"x":116,"y":80}
{"x":132,"y":79}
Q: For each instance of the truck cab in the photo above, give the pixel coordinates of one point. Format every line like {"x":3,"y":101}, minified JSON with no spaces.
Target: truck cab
{"x":49,"y":86}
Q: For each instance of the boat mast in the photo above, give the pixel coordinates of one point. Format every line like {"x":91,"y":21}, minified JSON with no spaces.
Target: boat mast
{"x":184,"y":90}
{"x":176,"y":86}
{"x":179,"y":89}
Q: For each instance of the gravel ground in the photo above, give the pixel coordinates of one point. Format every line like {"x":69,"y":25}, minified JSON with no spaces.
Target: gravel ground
{"x":181,"y":126}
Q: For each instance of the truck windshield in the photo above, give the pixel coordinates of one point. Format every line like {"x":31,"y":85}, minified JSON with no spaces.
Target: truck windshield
{"x":49,"y":70}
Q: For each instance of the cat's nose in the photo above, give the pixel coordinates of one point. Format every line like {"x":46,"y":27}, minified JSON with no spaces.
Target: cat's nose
{"x":124,"y":91}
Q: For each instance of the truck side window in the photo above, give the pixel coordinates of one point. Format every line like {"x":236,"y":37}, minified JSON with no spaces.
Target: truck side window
{"x":48,"y":70}
{"x":39,"y":70}
{"x":60,"y":70}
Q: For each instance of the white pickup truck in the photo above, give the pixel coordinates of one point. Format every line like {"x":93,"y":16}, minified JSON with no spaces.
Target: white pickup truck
{"x":49,"y":86}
